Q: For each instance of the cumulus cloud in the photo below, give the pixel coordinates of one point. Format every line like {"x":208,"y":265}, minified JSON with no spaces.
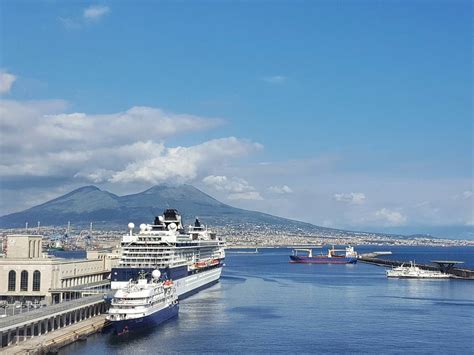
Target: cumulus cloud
{"x":41,"y":123}
{"x":137,"y":123}
{"x":38,"y":139}
{"x":249,"y":195}
{"x":353,"y":198}
{"x":238,"y":189}
{"x":185,"y":163}
{"x":281,"y":190}
{"x":390,"y":217}
{"x":95,"y":12}
{"x":275,"y":79}
{"x":223,"y":183}
{"x":6,"y":82}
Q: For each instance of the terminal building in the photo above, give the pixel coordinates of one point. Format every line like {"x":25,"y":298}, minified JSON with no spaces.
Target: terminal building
{"x":28,"y":274}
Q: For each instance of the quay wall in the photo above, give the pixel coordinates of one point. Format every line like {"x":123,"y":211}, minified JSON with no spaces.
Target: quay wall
{"x":37,"y":324}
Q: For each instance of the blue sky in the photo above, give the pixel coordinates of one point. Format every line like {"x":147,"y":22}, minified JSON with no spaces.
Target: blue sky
{"x":351,"y":114}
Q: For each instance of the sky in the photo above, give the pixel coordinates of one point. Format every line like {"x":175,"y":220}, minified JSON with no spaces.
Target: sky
{"x":346,"y":114}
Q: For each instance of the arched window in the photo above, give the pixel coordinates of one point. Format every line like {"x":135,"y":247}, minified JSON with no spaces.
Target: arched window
{"x":36,"y":280}
{"x":24,"y":281}
{"x":11,"y":280}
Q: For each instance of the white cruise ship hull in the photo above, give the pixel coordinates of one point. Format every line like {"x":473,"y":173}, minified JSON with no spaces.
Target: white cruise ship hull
{"x":188,"y":285}
{"x":194,"y":283}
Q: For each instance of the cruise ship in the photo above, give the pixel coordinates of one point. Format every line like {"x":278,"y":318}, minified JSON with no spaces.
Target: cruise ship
{"x":143,"y":303}
{"x":192,"y":258}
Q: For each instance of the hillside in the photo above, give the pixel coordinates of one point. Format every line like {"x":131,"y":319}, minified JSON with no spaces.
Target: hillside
{"x":90,"y":204}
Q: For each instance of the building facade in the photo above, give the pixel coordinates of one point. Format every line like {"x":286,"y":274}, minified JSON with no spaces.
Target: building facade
{"x":27,"y":274}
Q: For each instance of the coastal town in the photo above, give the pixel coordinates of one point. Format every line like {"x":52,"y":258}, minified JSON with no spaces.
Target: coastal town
{"x":236,"y":236}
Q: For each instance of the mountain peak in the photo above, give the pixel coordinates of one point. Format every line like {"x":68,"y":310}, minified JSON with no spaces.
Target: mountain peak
{"x":159,"y":188}
{"x":91,"y":204}
{"x":87,"y":188}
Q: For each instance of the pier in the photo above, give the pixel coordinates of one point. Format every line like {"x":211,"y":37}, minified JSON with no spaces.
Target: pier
{"x":446,"y":266}
{"x":22,"y":327}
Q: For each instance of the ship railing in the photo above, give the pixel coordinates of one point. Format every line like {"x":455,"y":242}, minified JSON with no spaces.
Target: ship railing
{"x":129,"y":303}
{"x":129,"y":310}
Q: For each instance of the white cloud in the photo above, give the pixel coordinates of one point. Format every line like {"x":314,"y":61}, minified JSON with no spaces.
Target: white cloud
{"x":97,"y":176}
{"x":249,"y":195}
{"x":238,"y":189}
{"x":275,"y":79}
{"x":467,"y":194}
{"x":90,"y":14}
{"x":119,"y":147}
{"x":40,"y":124}
{"x":137,"y":123}
{"x":223,"y":183}
{"x":353,"y":198}
{"x":390,"y":217}
{"x":95,"y":12}
{"x":284,"y":189}
{"x":6,"y":82}
{"x":185,"y":163}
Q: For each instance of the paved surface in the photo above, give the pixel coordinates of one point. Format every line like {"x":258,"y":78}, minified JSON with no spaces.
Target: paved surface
{"x":47,"y":311}
{"x":88,"y":286}
{"x":35,"y":344}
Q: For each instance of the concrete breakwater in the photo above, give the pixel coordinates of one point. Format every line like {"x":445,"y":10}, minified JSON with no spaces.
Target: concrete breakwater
{"x":460,"y":273}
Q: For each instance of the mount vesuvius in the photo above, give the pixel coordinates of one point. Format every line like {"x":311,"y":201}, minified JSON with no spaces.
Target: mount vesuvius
{"x":107,"y":210}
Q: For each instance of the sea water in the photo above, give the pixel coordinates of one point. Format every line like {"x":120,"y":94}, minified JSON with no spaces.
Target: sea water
{"x":263,"y":304}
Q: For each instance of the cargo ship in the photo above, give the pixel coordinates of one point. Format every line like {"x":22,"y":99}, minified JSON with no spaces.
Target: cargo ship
{"x":333,"y":256}
{"x":143,"y":304}
{"x":192,"y":257}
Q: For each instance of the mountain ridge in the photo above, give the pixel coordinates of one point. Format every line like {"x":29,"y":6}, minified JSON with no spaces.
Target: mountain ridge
{"x":91,"y":204}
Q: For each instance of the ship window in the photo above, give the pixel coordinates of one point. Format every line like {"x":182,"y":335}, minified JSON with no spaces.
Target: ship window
{"x":36,"y":280}
{"x":24,"y":281}
{"x":11,"y":280}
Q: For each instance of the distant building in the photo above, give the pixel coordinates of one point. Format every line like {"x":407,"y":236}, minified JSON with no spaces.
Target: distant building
{"x":26,"y":274}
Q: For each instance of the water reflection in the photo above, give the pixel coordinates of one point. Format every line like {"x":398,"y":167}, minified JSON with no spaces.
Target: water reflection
{"x":263,"y":304}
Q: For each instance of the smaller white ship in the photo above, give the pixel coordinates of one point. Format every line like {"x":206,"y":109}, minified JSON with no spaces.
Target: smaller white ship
{"x":414,"y":272}
{"x":143,"y":303}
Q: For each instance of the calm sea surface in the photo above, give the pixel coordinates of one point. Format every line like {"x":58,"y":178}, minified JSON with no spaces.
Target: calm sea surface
{"x":263,"y":304}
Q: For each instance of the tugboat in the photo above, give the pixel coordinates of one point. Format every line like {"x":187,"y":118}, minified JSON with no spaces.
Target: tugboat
{"x":332,"y":257}
{"x":143,"y":303}
{"x":414,"y":272}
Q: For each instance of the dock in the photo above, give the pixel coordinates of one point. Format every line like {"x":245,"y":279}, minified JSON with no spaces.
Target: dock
{"x":447,"y":266}
{"x":53,"y":341}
